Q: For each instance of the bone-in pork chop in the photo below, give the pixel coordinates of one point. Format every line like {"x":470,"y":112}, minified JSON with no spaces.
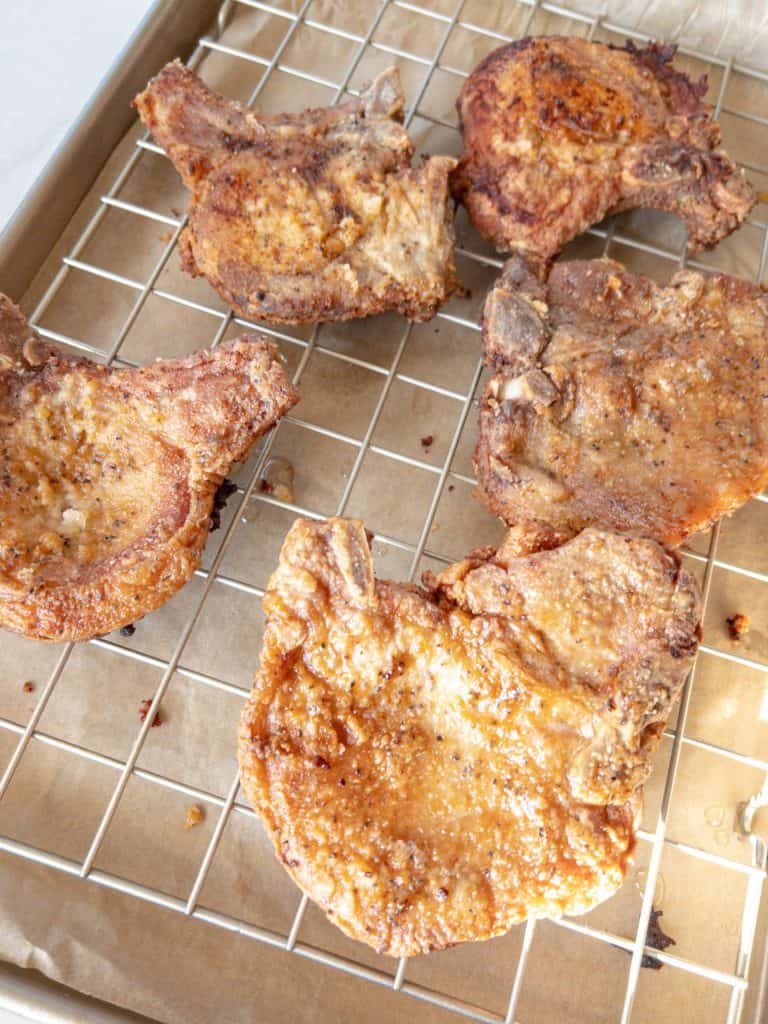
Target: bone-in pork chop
{"x":621,"y":402}
{"x":108,"y":476}
{"x":304,"y":217}
{"x":435,"y":765}
{"x":558,"y":132}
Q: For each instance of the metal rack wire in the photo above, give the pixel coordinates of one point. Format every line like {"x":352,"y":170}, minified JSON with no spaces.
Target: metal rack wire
{"x":443,"y":474}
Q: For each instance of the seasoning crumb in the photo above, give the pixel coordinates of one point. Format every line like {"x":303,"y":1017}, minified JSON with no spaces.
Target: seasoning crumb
{"x":451,"y":487}
{"x":225,"y":491}
{"x":128,"y":630}
{"x":28,"y":687}
{"x":738,"y":626}
{"x":427,"y":441}
{"x":194,"y":816}
{"x":144,"y":711}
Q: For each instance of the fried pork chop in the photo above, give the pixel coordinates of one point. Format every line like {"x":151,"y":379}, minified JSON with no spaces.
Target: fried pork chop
{"x":108,"y":476}
{"x":436,"y":765}
{"x":621,"y":402}
{"x":558,"y":132}
{"x":306,"y":217}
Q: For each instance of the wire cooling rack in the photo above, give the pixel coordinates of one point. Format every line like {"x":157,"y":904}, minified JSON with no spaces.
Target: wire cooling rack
{"x":447,"y":24}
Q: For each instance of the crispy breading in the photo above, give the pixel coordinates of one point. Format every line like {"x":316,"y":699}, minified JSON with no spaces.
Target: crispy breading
{"x":108,"y":475}
{"x":304,"y":217}
{"x":620,"y":402}
{"x":434,"y":765}
{"x":558,"y":132}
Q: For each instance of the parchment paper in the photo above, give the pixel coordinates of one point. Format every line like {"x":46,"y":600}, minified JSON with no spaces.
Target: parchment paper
{"x":153,"y":960}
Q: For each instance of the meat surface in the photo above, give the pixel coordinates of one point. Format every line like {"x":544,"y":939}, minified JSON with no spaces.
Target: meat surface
{"x":621,"y":402}
{"x":434,"y":765}
{"x":109,"y":475}
{"x":558,"y":132}
{"x":306,"y":217}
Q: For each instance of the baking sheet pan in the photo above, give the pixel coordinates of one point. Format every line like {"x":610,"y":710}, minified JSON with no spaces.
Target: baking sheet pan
{"x":371,"y":390}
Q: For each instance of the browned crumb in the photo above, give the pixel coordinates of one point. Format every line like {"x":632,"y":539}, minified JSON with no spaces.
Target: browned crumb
{"x":28,"y":687}
{"x":144,"y":711}
{"x":738,"y":626}
{"x":656,"y":936}
{"x":166,"y":236}
{"x":225,"y":489}
{"x":175,"y":212}
{"x":762,"y":197}
{"x":194,"y":816}
{"x":427,"y":441}
{"x":278,"y":479}
{"x":450,"y":487}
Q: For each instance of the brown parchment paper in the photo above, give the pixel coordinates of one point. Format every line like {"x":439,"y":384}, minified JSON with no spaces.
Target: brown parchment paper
{"x":175,"y":969}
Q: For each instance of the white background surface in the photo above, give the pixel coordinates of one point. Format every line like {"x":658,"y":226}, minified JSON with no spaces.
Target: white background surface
{"x":53,"y":54}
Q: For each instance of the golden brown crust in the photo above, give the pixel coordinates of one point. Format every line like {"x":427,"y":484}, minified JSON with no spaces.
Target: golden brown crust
{"x":434,"y":766}
{"x":306,"y":217}
{"x":558,"y":132}
{"x":108,"y":476}
{"x":623,"y":403}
